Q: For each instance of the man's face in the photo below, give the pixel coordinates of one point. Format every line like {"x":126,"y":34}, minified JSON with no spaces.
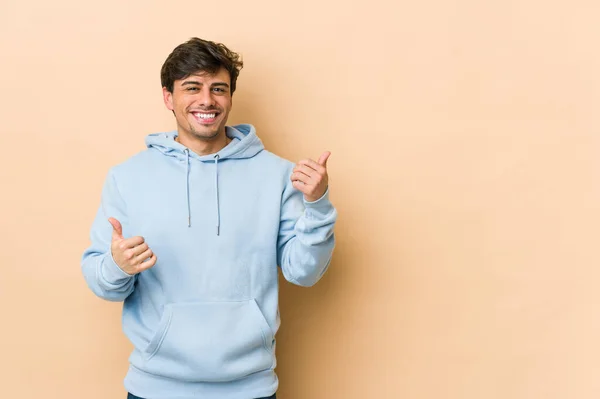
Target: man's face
{"x":201,"y":103}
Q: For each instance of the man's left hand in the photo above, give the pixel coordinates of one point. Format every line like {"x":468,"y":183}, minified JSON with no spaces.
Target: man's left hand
{"x":310,"y":177}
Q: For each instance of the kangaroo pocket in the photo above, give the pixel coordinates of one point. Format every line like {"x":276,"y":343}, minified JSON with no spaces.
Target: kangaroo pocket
{"x":210,"y":341}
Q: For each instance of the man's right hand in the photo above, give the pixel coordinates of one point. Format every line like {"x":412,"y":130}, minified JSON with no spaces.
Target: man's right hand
{"x":132,"y":255}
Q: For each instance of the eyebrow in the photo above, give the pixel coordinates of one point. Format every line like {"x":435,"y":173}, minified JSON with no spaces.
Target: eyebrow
{"x":196,"y":83}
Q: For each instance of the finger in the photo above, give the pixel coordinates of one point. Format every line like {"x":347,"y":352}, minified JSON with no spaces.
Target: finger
{"x":301,"y":177}
{"x":313,"y":165}
{"x":139,"y":249}
{"x":117,"y":233}
{"x":310,"y":172}
{"x":131,"y":242}
{"x":305,"y":170}
{"x":143,"y":256}
{"x":147,"y":264}
{"x":298,"y":185}
{"x":323,"y":159}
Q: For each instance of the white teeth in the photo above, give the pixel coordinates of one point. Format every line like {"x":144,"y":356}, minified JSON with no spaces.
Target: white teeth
{"x":205,"y":116}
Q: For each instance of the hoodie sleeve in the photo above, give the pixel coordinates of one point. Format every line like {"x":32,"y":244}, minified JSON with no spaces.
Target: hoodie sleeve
{"x":103,"y":276}
{"x":306,"y":239}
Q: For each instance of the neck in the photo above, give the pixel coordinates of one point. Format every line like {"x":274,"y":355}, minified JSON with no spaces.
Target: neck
{"x":204,"y":146}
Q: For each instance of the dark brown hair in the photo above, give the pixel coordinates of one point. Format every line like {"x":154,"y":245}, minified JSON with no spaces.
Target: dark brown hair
{"x":198,"y":55}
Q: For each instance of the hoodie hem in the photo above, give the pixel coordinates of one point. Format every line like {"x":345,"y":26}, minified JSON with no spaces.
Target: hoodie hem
{"x":150,"y":386}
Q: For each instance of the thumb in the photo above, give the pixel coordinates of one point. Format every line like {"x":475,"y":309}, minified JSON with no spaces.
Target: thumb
{"x":324,"y":158}
{"x":117,"y":229}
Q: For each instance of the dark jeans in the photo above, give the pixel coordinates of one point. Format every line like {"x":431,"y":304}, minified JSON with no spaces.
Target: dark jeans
{"x":131,"y":396}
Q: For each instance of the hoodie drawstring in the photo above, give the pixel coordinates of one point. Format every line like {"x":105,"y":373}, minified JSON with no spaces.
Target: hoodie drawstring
{"x":187,"y":189}
{"x":217,"y":193}
{"x":187,"y":184}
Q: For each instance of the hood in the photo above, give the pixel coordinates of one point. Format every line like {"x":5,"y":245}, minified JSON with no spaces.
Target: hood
{"x":244,"y":144}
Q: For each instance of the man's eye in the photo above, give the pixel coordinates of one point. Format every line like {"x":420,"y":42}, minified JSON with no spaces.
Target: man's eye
{"x":219,"y":89}
{"x":192,"y":89}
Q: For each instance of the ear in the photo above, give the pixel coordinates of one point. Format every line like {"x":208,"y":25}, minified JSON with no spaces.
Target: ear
{"x":168,"y":98}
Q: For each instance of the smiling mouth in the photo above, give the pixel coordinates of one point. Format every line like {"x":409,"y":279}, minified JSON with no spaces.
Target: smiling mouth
{"x":205,"y":118}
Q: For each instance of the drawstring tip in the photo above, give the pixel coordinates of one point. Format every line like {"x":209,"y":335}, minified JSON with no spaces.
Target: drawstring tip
{"x":218,"y":230}
{"x":189,"y":222}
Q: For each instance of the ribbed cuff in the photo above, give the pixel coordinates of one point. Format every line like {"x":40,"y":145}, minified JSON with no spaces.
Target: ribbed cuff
{"x":320,"y":209}
{"x":111,"y":272}
{"x":322,"y":203}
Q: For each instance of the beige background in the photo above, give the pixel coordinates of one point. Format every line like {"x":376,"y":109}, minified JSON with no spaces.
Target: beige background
{"x":464,"y":139}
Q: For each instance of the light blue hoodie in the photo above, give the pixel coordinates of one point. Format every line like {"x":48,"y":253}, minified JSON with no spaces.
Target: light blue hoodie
{"x":203,"y":320}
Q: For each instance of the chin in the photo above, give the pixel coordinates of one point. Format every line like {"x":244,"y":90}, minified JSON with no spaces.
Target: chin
{"x":207,"y":135}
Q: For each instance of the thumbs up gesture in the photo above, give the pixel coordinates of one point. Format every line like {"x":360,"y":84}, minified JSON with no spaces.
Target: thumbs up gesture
{"x":132,"y":255}
{"x":310,"y":177}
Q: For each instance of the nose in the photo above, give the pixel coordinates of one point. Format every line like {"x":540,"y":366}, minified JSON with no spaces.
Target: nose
{"x":206,"y":97}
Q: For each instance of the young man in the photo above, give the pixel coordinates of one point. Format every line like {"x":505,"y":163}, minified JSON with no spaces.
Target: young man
{"x":189,"y":235}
